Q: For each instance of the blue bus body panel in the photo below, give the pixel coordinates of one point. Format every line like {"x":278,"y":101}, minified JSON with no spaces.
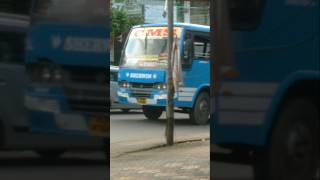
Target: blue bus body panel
{"x":69,"y":44}
{"x":77,"y":46}
{"x":284,"y":49}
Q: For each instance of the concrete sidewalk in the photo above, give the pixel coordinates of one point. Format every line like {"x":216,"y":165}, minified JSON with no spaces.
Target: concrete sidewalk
{"x":190,"y":160}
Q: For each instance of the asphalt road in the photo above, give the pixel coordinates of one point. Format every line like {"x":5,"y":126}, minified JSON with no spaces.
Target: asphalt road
{"x":72,"y":166}
{"x":132,"y":131}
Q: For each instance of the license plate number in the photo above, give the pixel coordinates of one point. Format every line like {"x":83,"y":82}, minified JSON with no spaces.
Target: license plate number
{"x":142,"y":101}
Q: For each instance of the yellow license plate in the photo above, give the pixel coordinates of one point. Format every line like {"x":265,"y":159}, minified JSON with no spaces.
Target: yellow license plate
{"x":99,"y":126}
{"x":142,"y":101}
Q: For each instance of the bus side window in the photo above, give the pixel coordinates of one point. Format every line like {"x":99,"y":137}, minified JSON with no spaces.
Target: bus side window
{"x":201,"y":49}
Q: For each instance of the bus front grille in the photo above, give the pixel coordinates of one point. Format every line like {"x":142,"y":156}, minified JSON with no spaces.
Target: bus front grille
{"x":142,"y":86}
{"x":87,"y":75}
{"x":87,"y":99}
{"x":141,"y":93}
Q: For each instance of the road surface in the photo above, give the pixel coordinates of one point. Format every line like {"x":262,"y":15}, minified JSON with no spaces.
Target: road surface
{"x":28,"y":166}
{"x":132,"y":131}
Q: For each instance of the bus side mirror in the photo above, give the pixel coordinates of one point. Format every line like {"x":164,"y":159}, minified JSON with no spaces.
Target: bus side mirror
{"x":187,"y":56}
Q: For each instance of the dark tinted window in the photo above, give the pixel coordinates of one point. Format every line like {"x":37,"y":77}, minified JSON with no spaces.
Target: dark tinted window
{"x":245,"y":14}
{"x":11,"y":48}
{"x":70,"y":11}
{"x":15,"y":6}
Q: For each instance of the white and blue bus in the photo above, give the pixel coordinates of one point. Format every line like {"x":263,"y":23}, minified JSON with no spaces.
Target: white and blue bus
{"x":143,"y":77}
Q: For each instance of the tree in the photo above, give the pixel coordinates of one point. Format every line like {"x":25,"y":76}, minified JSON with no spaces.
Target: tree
{"x":120,"y":26}
{"x":119,"y":22}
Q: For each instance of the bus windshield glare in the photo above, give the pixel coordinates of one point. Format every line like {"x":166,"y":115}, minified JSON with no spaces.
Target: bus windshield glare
{"x":147,"y":47}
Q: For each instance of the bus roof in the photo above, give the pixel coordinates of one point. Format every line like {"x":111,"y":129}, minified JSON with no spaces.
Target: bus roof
{"x":188,"y":26}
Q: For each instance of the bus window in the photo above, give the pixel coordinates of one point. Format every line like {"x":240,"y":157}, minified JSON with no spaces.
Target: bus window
{"x":15,"y":7}
{"x":245,"y":14}
{"x":70,"y":11}
{"x":201,"y":48}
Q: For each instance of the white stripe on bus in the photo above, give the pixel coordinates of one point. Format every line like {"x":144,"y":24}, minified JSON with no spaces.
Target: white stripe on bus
{"x":188,"y":94}
{"x":184,"y":98}
{"x":187,"y":89}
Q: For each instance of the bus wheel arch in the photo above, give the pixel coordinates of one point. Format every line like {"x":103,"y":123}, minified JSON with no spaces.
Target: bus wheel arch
{"x":201,"y":107}
{"x":297,"y":89}
{"x":298,"y":102}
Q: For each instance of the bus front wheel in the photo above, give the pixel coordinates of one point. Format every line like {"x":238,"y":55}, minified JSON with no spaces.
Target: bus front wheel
{"x":152,"y":113}
{"x":200,"y":112}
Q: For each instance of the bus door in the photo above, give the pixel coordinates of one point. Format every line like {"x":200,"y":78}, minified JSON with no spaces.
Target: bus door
{"x":195,"y":64}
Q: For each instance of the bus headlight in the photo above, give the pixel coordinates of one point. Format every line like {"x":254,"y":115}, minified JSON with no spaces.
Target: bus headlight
{"x":160,"y":86}
{"x":123,"y":84}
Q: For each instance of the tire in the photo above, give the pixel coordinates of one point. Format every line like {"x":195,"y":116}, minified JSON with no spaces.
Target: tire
{"x":151,"y":112}
{"x":200,"y":113}
{"x":50,"y":154}
{"x":292,"y":150}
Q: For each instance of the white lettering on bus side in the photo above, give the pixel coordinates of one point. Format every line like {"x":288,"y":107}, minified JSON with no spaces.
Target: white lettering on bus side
{"x":85,"y":44}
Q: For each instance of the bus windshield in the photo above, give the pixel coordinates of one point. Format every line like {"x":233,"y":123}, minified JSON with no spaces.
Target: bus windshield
{"x":70,"y":11}
{"x":147,"y":47}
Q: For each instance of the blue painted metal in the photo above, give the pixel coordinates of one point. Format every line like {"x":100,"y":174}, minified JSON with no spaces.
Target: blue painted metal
{"x":283,"y":50}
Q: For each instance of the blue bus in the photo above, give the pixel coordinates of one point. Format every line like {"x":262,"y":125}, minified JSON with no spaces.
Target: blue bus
{"x":142,"y":76}
{"x":267,"y":84}
{"x":67,"y":63}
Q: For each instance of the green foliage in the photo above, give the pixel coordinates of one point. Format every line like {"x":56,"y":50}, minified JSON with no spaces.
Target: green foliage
{"x":119,"y":22}
{"x":136,"y":21}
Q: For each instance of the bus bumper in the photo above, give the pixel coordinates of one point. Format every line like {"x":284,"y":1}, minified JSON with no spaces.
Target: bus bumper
{"x":48,"y":112}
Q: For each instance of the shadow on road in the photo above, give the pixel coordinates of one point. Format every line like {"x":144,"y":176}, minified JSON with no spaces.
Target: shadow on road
{"x":180,"y":121}
{"x":35,"y":161}
{"x":124,"y":113}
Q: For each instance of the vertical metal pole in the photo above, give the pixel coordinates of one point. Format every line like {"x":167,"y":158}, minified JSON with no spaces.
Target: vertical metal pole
{"x":170,"y":88}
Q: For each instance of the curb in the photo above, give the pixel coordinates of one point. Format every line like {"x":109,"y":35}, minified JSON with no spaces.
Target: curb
{"x":154,"y":145}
